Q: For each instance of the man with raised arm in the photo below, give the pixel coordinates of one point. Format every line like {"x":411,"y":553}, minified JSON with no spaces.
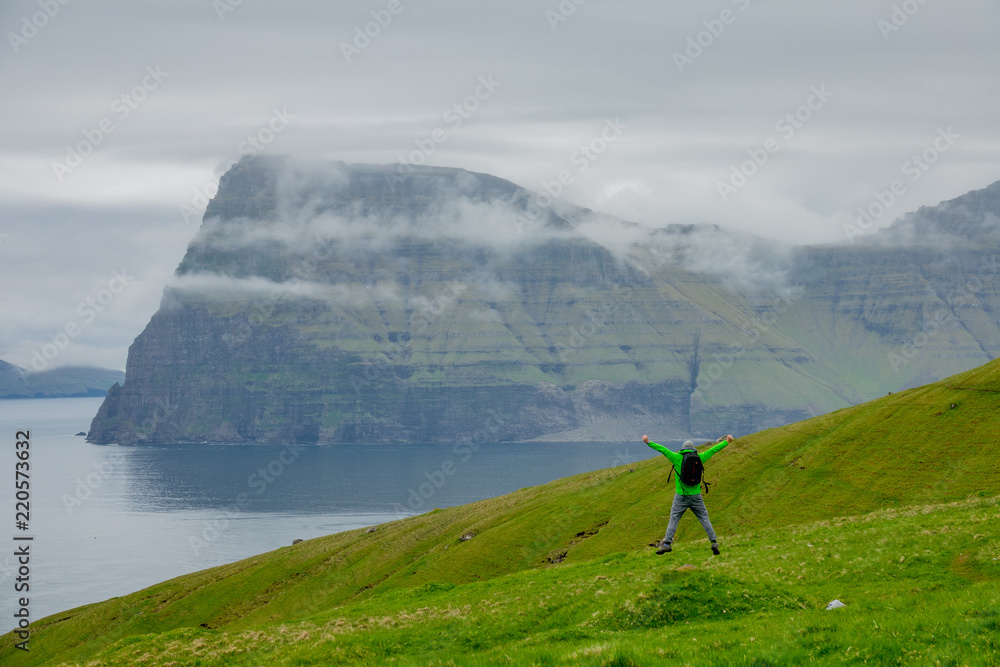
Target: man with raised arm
{"x":688,"y":496}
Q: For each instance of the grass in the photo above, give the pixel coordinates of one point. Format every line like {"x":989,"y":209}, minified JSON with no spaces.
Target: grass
{"x":920,"y":585}
{"x":561,"y":574}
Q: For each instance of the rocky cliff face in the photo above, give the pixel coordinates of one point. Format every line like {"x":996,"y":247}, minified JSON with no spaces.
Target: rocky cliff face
{"x":326,"y":303}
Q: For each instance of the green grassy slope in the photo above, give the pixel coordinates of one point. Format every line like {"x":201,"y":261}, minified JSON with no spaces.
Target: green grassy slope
{"x":905,"y":449}
{"x":920,"y":587}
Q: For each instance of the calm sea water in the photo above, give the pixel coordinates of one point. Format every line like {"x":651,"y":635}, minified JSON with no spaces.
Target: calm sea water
{"x":109,"y":520}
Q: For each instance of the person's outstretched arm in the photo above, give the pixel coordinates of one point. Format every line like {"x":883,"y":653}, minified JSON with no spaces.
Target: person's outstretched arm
{"x":673,"y":456}
{"x":709,"y":453}
{"x":659,"y":448}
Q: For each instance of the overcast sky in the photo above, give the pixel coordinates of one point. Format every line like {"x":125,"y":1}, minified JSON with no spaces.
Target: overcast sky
{"x":163,"y":95}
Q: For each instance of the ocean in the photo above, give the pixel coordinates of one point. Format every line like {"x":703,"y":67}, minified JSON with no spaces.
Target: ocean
{"x":107,"y":520}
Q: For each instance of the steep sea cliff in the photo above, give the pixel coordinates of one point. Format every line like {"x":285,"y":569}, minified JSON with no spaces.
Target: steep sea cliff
{"x":326,"y":303}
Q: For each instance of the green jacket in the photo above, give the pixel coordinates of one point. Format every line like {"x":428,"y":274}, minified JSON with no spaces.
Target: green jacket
{"x":676,"y":458}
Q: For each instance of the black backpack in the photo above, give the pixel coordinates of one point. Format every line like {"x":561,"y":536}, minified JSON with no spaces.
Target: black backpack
{"x":691,"y":470}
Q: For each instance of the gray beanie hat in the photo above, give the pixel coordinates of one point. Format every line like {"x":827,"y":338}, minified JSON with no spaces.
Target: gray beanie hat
{"x":688,"y":444}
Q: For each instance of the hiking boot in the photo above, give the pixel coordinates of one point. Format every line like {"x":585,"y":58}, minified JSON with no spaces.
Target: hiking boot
{"x":715,"y":549}
{"x":664,"y":548}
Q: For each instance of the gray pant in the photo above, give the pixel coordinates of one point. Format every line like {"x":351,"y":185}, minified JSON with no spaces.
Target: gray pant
{"x":696,"y":505}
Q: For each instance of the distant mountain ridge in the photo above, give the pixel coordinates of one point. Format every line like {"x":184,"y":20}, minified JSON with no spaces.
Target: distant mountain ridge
{"x":969,"y":220}
{"x":64,"y":382}
{"x":325,"y":303}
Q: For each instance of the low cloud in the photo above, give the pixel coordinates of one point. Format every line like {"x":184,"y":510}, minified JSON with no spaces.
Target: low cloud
{"x":741,"y":261}
{"x":330,"y":213}
{"x":953,"y":225}
{"x":225,"y":288}
{"x":318,"y":203}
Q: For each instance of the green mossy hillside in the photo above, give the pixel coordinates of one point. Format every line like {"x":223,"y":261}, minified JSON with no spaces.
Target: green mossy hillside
{"x":920,"y":586}
{"x":917,"y":448}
